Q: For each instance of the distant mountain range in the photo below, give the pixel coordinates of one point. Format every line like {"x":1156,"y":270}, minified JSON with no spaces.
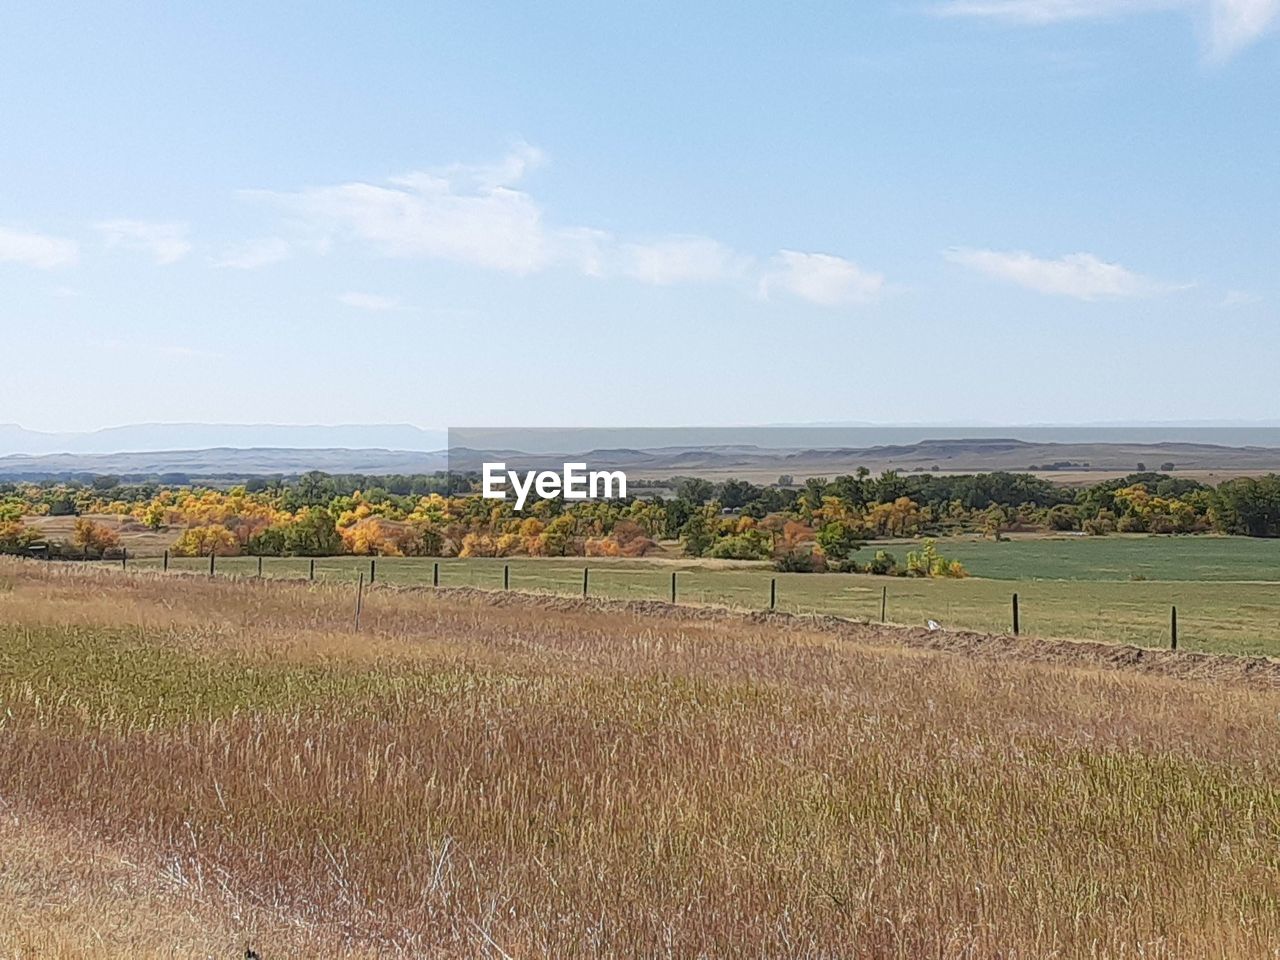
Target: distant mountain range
{"x":153,"y":437}
{"x":1070,"y":461}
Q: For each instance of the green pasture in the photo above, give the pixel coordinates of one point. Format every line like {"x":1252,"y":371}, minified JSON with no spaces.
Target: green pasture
{"x":1107,"y":558}
{"x":1214,"y":613}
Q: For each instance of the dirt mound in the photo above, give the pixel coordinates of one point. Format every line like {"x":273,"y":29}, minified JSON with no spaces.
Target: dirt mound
{"x":1261,"y":672}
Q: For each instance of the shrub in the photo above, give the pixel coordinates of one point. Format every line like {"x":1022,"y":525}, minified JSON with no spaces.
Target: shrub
{"x":268,"y":543}
{"x":1101,"y":525}
{"x":928,"y":562}
{"x":1131,"y":523}
{"x":93,"y":538}
{"x":748,"y":545}
{"x":16,"y":537}
{"x":800,"y":560}
{"x":884,"y":564}
{"x":1063,"y":517}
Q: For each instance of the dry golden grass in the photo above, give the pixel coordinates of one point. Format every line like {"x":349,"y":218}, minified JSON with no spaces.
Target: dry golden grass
{"x":134,"y":535}
{"x":482,"y":776}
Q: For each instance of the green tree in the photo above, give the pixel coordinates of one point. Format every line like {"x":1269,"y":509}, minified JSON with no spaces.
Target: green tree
{"x":312,"y":534}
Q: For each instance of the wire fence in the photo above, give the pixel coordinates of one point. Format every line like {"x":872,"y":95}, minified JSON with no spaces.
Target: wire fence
{"x":1234,"y":617}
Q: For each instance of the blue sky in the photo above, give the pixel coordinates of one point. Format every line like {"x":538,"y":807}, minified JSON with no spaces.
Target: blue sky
{"x":627,"y":214}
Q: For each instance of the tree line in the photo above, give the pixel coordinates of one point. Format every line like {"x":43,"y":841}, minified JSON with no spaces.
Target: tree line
{"x":820,"y":524}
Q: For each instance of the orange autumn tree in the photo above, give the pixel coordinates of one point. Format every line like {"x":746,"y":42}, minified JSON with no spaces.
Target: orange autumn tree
{"x":377,"y":536}
{"x":91,"y":537}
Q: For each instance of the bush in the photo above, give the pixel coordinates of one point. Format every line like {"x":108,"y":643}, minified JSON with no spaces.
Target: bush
{"x":1063,"y":518}
{"x":16,"y":537}
{"x":748,"y":545}
{"x":884,"y":564}
{"x":1131,"y":523}
{"x":928,"y":562}
{"x":1101,"y":525}
{"x":800,"y":561}
{"x":94,"y":539}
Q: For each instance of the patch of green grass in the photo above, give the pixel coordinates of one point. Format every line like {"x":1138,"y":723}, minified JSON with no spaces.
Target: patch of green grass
{"x":1213,"y":615}
{"x":1109,"y":558}
{"x":128,"y":676}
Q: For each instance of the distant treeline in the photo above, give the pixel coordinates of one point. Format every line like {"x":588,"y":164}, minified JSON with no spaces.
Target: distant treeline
{"x":818,"y":524}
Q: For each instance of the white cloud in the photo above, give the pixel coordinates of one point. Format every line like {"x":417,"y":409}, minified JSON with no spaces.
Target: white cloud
{"x":37,"y":250}
{"x":1234,"y":24}
{"x":477,"y":215}
{"x":683,"y":259}
{"x":164,"y":242}
{"x":252,"y":254}
{"x":370,"y":301}
{"x":821,"y":278}
{"x":1079,"y":275}
{"x":1231,"y":25}
{"x":465,"y":214}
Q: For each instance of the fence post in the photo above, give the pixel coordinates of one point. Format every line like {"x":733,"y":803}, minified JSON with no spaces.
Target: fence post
{"x":1173,"y":629}
{"x":506,"y":576}
{"x":884,"y":603}
{"x":585,"y":575}
{"x":773,"y":593}
{"x":124,"y":558}
{"x":359,"y":600}
{"x":1015,"y":615}
{"x":435,"y":574}
{"x":311,"y":569}
{"x":165,"y":566}
{"x":259,"y":568}
{"x":212,"y":553}
{"x":673,"y":586}
{"x":373,"y":569}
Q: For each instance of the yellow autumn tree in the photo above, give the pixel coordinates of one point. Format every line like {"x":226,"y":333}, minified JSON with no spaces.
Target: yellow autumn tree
{"x":203,"y":540}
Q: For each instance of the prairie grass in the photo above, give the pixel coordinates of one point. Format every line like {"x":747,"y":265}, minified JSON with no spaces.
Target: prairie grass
{"x":471,"y":778}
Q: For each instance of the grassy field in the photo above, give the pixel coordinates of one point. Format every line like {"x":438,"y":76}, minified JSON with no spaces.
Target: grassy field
{"x":1213,"y":615}
{"x":1109,"y":558}
{"x":192,"y":766}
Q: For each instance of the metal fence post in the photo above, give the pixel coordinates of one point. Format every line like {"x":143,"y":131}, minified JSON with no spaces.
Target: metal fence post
{"x":773,"y":593}
{"x":359,"y":600}
{"x":124,"y":558}
{"x":673,"y":586}
{"x":259,"y":568}
{"x":373,"y":569}
{"x":506,"y":576}
{"x":1015,"y":615}
{"x":435,"y":574}
{"x":311,"y":569}
{"x":585,"y":575}
{"x":1173,"y":629}
{"x":212,"y":553}
{"x":884,"y":603}
{"x":165,"y":565}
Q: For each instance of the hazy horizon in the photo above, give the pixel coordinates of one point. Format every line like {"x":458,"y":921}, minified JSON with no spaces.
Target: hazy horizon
{"x":178,"y":437}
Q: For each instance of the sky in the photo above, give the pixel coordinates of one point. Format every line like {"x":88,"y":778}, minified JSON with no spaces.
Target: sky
{"x":615,"y":214}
